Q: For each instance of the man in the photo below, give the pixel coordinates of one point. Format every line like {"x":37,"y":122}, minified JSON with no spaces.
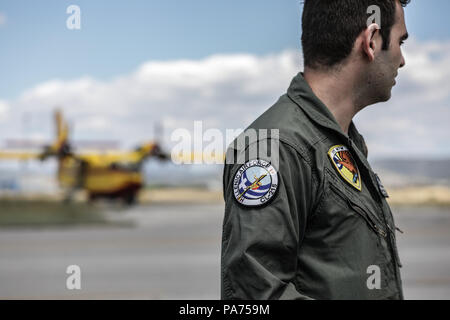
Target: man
{"x":311,"y":220}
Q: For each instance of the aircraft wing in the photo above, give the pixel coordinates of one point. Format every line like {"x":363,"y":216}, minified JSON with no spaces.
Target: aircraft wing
{"x":13,"y":155}
{"x":106,"y":158}
{"x":109,"y":157}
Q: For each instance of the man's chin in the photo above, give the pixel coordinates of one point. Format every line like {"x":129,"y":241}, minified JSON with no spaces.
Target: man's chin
{"x":381,"y":99}
{"x":385,"y":96}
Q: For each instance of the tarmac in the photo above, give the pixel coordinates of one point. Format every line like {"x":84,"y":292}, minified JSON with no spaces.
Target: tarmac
{"x":172,"y":251}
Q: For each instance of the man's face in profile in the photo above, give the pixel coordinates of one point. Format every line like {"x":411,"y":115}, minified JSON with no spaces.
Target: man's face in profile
{"x":387,"y":62}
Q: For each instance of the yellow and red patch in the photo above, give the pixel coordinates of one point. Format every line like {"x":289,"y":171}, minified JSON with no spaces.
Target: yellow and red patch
{"x":343,"y":162}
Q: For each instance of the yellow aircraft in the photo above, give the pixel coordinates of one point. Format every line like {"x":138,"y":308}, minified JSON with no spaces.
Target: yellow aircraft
{"x":109,"y":174}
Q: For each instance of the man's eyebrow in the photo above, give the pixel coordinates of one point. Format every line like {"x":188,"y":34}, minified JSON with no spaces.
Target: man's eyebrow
{"x":404,"y":37}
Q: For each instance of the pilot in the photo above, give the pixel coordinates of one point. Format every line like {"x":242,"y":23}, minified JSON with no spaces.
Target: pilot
{"x":309,"y":219}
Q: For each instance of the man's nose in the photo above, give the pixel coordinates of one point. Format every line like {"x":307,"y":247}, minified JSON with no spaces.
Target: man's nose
{"x":403,"y":62}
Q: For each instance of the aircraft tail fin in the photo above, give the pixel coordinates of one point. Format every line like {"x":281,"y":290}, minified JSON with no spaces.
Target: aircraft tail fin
{"x":62,"y":131}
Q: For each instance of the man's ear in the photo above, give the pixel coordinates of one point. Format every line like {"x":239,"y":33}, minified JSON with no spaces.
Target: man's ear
{"x":369,"y":43}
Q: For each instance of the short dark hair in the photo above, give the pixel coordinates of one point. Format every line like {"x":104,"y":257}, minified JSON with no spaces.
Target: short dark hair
{"x":330,"y":28}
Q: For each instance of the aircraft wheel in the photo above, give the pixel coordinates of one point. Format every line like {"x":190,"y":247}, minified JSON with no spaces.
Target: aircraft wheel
{"x":130,"y":198}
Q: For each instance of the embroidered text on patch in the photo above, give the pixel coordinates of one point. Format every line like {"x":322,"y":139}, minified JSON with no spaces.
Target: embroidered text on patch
{"x":255,"y":183}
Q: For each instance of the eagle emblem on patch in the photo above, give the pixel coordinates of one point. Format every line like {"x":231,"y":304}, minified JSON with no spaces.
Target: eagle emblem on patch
{"x":255,"y":183}
{"x":343,"y":162}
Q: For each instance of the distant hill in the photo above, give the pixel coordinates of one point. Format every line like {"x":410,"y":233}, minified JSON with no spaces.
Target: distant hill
{"x":406,"y":172}
{"x":170,"y":175}
{"x":393,"y":173}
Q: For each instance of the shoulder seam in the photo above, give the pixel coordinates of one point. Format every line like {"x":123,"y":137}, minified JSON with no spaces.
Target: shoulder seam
{"x":303,"y":152}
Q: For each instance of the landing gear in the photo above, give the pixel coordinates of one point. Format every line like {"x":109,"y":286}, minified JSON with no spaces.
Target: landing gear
{"x":92,"y":197}
{"x":129,"y":198}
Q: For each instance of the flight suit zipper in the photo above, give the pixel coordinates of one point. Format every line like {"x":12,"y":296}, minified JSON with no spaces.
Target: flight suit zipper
{"x":367,"y":217}
{"x":361,"y":212}
{"x":392,"y":241}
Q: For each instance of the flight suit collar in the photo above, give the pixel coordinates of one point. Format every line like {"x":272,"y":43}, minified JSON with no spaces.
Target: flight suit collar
{"x":301,"y":93}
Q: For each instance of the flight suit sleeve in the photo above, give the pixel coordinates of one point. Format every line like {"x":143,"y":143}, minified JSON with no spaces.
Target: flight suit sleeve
{"x":260,"y":245}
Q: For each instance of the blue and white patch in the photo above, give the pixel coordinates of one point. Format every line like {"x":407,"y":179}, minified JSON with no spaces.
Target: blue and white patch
{"x":255,"y":183}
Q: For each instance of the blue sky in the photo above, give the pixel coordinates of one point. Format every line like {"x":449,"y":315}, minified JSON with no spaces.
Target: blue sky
{"x":118,"y":36}
{"x":135,"y":63}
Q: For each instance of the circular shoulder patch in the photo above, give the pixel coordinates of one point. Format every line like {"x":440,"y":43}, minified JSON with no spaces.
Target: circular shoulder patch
{"x":255,"y":183}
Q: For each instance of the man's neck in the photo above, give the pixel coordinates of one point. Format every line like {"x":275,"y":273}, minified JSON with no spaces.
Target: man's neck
{"x":338,"y":92}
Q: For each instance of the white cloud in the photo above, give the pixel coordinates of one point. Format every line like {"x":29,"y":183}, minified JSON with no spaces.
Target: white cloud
{"x":3,"y":19}
{"x":4,"y":109}
{"x":415,"y":122}
{"x":230,"y":91}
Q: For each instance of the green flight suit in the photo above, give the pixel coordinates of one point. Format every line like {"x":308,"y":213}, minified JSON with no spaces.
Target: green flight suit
{"x":318,"y":237}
